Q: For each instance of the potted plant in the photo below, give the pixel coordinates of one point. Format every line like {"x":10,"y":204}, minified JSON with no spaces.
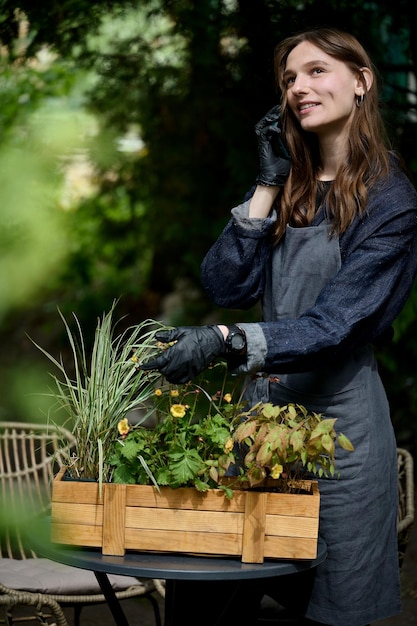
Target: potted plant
{"x":96,"y":391}
{"x":208,"y":472}
{"x":204,"y":440}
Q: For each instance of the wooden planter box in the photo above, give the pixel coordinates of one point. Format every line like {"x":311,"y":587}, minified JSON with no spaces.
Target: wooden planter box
{"x":254,"y":525}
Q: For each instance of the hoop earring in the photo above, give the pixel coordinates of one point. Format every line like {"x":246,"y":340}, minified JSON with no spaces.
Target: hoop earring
{"x":360,"y":99}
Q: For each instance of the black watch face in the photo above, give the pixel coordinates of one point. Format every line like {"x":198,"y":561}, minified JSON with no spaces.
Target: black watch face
{"x":237,"y":342}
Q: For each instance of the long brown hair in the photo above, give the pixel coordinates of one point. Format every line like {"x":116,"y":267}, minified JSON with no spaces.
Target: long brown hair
{"x":368,"y":156}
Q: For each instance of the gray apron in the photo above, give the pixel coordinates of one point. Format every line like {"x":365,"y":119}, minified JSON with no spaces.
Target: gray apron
{"x":359,"y":581}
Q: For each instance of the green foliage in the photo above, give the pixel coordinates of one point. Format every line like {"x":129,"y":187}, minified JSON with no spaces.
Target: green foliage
{"x":190,"y":445}
{"x":98,"y":391}
{"x":284,"y":441}
{"x":61,"y":25}
{"x":25,"y":87}
{"x":110,"y":252}
{"x":34,"y":137}
{"x":176,"y":75}
{"x":193,"y":443}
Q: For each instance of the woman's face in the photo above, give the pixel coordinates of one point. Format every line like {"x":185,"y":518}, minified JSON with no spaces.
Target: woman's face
{"x":321,"y":91}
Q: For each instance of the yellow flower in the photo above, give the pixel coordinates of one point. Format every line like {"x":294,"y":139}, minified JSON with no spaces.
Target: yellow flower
{"x":158,"y":392}
{"x":178,"y":410}
{"x":276,"y":471}
{"x":134,"y":358}
{"x":227,"y":398}
{"x":123,"y":427}
{"x":228,"y":446}
{"x":175,"y":393}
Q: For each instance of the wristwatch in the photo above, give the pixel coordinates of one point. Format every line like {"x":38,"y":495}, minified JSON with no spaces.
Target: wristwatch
{"x":235,"y":341}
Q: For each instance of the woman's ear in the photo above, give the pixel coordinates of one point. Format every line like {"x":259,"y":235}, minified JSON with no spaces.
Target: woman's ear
{"x":367,"y":77}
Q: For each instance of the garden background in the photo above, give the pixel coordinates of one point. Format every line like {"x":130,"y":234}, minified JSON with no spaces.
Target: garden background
{"x":126,"y":136}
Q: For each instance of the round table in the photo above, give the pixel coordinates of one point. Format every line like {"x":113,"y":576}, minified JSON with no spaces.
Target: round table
{"x":171,"y":567}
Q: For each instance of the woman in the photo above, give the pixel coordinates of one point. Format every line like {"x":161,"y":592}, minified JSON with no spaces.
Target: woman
{"x":327,"y":242}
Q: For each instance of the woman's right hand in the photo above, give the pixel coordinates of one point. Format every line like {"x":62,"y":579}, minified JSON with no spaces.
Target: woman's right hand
{"x":274,"y":160}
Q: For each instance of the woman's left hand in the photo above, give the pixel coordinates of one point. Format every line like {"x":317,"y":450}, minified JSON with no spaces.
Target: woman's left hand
{"x":194,"y":349}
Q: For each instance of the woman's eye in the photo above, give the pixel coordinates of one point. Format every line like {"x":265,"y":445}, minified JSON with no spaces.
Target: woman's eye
{"x":317,"y":70}
{"x":290,"y":80}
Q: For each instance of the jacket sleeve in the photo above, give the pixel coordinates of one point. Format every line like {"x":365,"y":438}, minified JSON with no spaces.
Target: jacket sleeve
{"x":232,"y":272}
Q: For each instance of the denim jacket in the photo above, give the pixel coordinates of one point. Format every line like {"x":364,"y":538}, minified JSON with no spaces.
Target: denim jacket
{"x":357,"y":306}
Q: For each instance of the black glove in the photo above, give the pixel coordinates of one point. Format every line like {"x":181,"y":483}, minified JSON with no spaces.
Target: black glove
{"x":195,"y":348}
{"x":274,"y":160}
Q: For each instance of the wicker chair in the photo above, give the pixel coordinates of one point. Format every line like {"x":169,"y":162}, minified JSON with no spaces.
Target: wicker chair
{"x":406,"y":500}
{"x":30,"y":455}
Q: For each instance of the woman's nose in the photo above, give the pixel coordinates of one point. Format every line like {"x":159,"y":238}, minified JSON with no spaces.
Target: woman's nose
{"x":299,"y":85}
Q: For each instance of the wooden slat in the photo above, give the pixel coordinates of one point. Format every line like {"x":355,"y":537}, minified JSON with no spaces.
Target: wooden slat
{"x":77,"y":535}
{"x":290,"y":526}
{"x":114,"y":519}
{"x":69,"y":491}
{"x":254,"y":528}
{"x":178,"y":541}
{"x":76,"y":513}
{"x":287,"y":504}
{"x":184,"y":498}
{"x":290,"y":548}
{"x":176,"y":519}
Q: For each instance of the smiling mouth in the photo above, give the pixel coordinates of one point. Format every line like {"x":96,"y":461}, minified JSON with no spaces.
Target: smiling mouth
{"x":304,"y":107}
